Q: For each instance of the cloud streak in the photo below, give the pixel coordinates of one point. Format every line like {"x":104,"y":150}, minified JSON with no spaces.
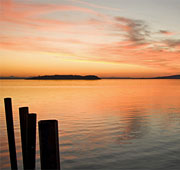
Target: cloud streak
{"x":29,"y":14}
{"x":95,"y":5}
{"x":165,"y":32}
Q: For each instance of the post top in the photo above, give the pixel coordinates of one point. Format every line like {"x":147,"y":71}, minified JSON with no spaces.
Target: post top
{"x":7,"y":98}
{"x":48,"y":121}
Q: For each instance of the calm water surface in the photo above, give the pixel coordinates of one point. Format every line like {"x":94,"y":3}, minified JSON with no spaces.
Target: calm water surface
{"x":103,"y":124}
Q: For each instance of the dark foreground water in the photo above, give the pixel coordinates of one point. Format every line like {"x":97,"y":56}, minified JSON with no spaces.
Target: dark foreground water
{"x":103,"y":124}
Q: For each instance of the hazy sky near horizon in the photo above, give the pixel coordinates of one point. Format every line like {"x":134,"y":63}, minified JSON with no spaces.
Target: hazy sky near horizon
{"x":103,"y":37}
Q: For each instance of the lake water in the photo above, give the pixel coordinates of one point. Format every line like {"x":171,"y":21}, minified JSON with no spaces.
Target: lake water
{"x":103,"y":124}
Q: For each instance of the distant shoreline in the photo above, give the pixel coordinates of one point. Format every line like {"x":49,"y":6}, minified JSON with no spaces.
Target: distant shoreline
{"x":88,"y":77}
{"x":162,"y":77}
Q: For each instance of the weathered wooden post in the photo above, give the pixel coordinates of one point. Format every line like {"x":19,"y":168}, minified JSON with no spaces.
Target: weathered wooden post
{"x":31,"y":141}
{"x":23,"y":115}
{"x":10,"y":132}
{"x":49,"y":144}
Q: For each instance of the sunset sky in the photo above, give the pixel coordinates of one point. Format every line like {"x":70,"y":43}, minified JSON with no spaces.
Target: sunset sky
{"x":137,"y":38}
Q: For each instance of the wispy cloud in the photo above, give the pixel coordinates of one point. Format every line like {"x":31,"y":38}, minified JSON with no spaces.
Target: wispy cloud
{"x":137,"y":30}
{"x":142,"y":55}
{"x":29,"y":13}
{"x":95,"y":5}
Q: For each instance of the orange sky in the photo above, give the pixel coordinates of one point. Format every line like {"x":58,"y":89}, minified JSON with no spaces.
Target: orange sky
{"x":81,"y":37}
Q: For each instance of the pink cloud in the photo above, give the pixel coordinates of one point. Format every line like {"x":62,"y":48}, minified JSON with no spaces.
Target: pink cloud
{"x":142,"y":54}
{"x":29,"y":14}
{"x":42,"y":44}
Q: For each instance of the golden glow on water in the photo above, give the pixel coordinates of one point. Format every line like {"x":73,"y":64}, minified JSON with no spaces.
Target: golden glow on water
{"x":97,"y":118}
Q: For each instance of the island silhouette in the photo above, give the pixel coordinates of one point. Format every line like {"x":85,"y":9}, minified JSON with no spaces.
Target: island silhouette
{"x":65,"y":77}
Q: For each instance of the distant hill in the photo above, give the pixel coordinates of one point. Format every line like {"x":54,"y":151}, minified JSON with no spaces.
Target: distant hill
{"x":169,"y":77}
{"x":65,"y":77}
{"x":163,"y":77}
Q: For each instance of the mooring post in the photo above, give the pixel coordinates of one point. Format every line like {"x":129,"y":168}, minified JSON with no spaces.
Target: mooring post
{"x":23,"y":115}
{"x":10,"y":132}
{"x":31,"y":141}
{"x":49,"y":144}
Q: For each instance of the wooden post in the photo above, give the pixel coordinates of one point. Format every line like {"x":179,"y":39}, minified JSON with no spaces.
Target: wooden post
{"x":49,"y":144}
{"x":31,"y":141}
{"x":10,"y":132}
{"x":23,"y":114}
